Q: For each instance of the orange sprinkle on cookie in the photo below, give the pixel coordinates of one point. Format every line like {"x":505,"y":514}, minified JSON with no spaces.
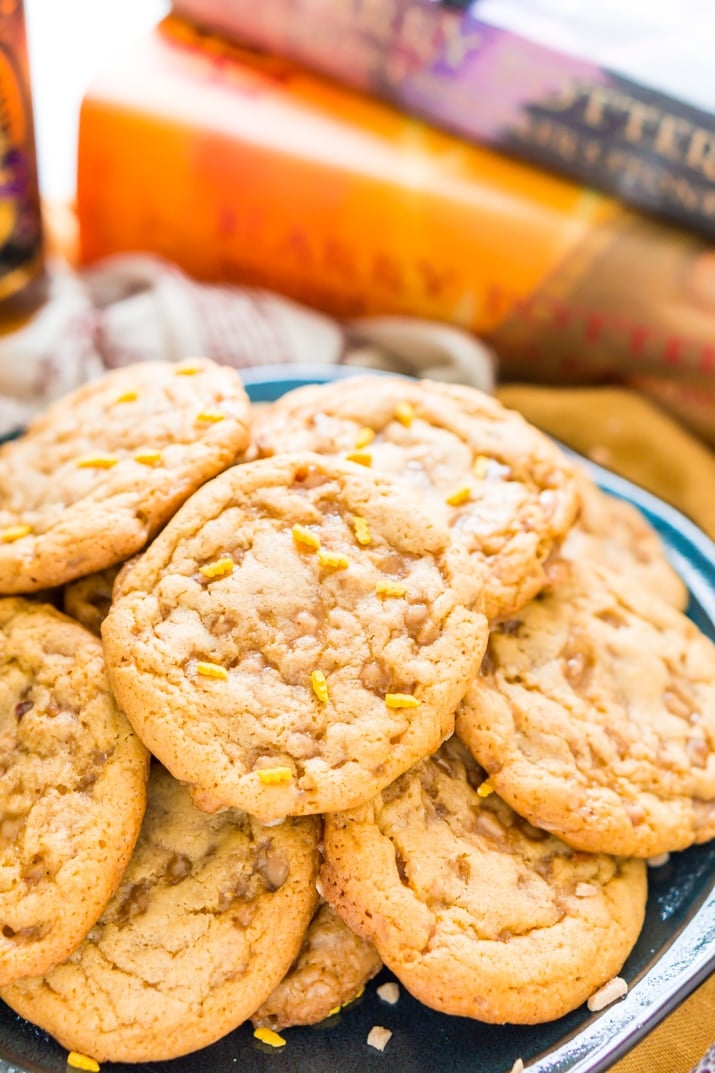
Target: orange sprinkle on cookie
{"x":96,"y":462}
{"x":405,"y":413}
{"x":365,"y":436}
{"x":401,"y":700}
{"x":362,"y":458}
{"x":333,"y":559}
{"x":127,"y":396}
{"x":14,"y":532}
{"x":220,"y":568}
{"x":82,"y":1061}
{"x":390,"y":588}
{"x":211,"y":670}
{"x":267,"y":1035}
{"x":320,"y":686}
{"x":210,"y":416}
{"x":459,"y":496}
{"x":362,"y":529}
{"x":148,"y":458}
{"x":304,"y":536}
{"x":271,"y":776}
{"x":485,"y":789}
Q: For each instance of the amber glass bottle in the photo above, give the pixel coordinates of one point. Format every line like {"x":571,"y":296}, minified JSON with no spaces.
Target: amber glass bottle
{"x":21,"y":252}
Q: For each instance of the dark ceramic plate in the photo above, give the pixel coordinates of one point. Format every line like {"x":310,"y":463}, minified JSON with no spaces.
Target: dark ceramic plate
{"x":675,"y":952}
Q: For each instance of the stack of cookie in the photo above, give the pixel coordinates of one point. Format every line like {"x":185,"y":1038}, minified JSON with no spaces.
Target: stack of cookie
{"x":298,"y":608}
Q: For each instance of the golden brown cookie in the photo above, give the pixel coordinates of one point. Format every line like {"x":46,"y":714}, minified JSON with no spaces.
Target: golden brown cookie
{"x":208,"y":918}
{"x":594,"y":714}
{"x":88,"y":598}
{"x":478,"y":913}
{"x":331,"y":970}
{"x":506,"y":492}
{"x":72,"y":787}
{"x":614,"y":532}
{"x":296,"y":637}
{"x":102,"y":469}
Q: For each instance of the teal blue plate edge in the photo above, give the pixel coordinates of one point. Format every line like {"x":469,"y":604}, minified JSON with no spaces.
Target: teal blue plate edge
{"x":676,"y":951}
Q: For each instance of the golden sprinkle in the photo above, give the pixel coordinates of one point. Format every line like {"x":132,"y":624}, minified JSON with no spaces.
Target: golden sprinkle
{"x":270,"y":776}
{"x":459,"y":496}
{"x":480,"y":467}
{"x":485,"y":789}
{"x":267,"y":1035}
{"x":128,"y":396}
{"x":390,"y":588}
{"x":211,"y":670}
{"x":405,"y":413}
{"x":148,"y":458}
{"x":189,"y":369}
{"x":96,"y":462}
{"x":301,"y":535}
{"x":364,"y":437}
{"x":320,"y":686}
{"x":220,"y":568}
{"x":81,"y":1061}
{"x":362,"y":529}
{"x":14,"y":532}
{"x":362,"y":458}
{"x":401,"y":700}
{"x":333,"y":558}
{"x":210,"y":416}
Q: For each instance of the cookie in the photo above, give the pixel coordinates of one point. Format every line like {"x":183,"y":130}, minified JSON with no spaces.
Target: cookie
{"x":102,"y":469}
{"x":208,"y":918}
{"x":614,"y":532}
{"x":72,"y":787}
{"x":506,"y":492}
{"x":296,"y":637}
{"x":331,"y":970}
{"x":88,"y":598}
{"x":594,"y":715}
{"x":475,"y":911}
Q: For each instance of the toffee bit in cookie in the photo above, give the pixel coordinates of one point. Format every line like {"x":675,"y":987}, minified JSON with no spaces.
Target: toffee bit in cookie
{"x":320,"y":686}
{"x":82,"y":1061}
{"x":210,"y":417}
{"x":14,"y":532}
{"x":211,"y":670}
{"x":485,"y":789}
{"x":127,"y":396}
{"x":362,"y":529}
{"x":333,"y":559}
{"x":272,"y":776}
{"x":267,"y":1035}
{"x":390,"y":588}
{"x":401,"y":700}
{"x":459,"y":496}
{"x":480,"y":467}
{"x":364,"y":437}
{"x":304,"y":536}
{"x":190,"y":368}
{"x":405,"y":413}
{"x":96,"y":462}
{"x":219,"y":568}
{"x":614,"y":989}
{"x":378,"y":1037}
{"x":148,"y":458}
{"x":362,"y":458}
{"x":389,"y":993}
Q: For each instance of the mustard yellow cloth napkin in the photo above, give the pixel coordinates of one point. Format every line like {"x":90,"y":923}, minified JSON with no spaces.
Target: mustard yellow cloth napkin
{"x":627,"y":434}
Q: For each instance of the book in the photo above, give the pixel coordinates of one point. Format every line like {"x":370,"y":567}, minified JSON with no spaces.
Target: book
{"x":464,"y":67}
{"x":244,"y":168}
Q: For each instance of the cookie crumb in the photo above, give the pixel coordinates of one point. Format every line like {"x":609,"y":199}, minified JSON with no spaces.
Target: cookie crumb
{"x":658,"y":860}
{"x":304,"y":536}
{"x":378,"y":1037}
{"x":364,"y":437}
{"x":82,"y":1061}
{"x":267,"y":1035}
{"x":614,"y":989}
{"x":219,"y":568}
{"x":333,"y":559}
{"x":362,"y":529}
{"x":518,"y":1066}
{"x":148,"y":458}
{"x":211,"y":670}
{"x":362,"y":458}
{"x":273,"y":775}
{"x":401,"y":700}
{"x":485,"y":789}
{"x":14,"y":532}
{"x":389,"y":993}
{"x":320,"y":686}
{"x":96,"y":462}
{"x":390,"y":588}
{"x":459,"y":496}
{"x":405,"y":413}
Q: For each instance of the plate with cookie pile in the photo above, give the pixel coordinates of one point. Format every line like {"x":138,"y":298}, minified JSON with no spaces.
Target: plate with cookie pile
{"x":346,"y":720}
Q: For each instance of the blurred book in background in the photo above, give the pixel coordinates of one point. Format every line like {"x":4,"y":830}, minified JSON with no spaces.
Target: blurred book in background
{"x":241,"y":167}
{"x":635,"y":131}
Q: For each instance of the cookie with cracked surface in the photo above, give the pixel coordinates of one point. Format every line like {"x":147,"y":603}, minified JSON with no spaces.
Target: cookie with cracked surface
{"x":475,"y":911}
{"x":594,"y":714}
{"x":506,"y":492}
{"x":72,"y":787}
{"x":331,"y":970}
{"x":102,"y":469}
{"x":614,"y":532}
{"x":208,"y":917}
{"x":87,"y":600}
{"x":296,"y":637}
